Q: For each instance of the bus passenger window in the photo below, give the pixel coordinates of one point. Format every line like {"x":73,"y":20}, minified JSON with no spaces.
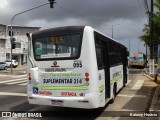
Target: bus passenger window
{"x":98,"y":45}
{"x":99,"y":54}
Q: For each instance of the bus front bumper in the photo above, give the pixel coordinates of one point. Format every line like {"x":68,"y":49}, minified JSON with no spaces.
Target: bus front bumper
{"x":136,"y":65}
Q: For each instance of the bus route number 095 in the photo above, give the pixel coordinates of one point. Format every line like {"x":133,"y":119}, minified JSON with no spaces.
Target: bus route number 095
{"x":77,"y":64}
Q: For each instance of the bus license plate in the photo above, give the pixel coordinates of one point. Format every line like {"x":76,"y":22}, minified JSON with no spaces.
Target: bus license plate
{"x":57,"y":102}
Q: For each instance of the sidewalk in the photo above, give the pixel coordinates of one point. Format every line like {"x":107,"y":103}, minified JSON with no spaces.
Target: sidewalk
{"x":155,"y":104}
{"x":156,"y":100}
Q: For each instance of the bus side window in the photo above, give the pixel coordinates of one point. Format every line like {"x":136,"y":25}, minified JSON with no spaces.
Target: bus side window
{"x":99,"y":54}
{"x":99,"y":57}
{"x":112,"y":53}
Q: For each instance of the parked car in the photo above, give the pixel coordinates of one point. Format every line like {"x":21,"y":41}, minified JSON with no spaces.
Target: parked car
{"x":3,"y":65}
{"x":14,"y":63}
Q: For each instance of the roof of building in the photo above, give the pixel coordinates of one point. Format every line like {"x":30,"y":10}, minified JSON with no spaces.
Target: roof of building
{"x":23,"y":26}
{"x":19,"y":26}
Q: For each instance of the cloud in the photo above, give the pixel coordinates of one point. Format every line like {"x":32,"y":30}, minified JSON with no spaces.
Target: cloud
{"x":101,"y":14}
{"x":91,"y":11}
{"x":65,"y":22}
{"x":3,"y":4}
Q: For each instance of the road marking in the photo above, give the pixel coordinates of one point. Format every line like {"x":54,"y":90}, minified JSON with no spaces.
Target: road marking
{"x":130,"y":96}
{"x":12,"y":83}
{"x":6,"y":81}
{"x":14,"y":76}
{"x":128,"y":82}
{"x":138,"y":85}
{"x":13,"y":94}
{"x":20,"y":76}
{"x":23,"y":84}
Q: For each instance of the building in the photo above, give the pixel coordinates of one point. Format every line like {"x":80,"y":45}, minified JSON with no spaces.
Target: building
{"x":19,"y":32}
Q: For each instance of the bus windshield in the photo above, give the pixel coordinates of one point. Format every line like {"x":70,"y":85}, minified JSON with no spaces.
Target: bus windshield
{"x":57,"y":47}
{"x":133,"y":58}
{"x":136,"y":57}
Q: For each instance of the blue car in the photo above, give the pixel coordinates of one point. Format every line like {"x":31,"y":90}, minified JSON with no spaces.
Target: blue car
{"x":3,"y":65}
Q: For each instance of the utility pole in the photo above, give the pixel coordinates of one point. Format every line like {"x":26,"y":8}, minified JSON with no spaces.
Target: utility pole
{"x":151,"y":41}
{"x":129,"y":45}
{"x":146,"y":56}
{"x":51,"y":2}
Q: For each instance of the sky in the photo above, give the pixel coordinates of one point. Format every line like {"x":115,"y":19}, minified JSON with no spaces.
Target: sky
{"x":126,"y":18}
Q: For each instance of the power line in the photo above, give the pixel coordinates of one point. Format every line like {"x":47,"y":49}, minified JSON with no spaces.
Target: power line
{"x":140,"y":8}
{"x":78,"y":14}
{"x":145,"y":3}
{"x":93,"y":18}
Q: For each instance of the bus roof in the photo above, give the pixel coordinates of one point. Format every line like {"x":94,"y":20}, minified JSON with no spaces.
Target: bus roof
{"x":58,"y":31}
{"x":66,"y":30}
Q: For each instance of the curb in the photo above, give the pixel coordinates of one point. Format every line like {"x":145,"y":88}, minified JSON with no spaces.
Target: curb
{"x":148,"y":76}
{"x":154,"y":104}
{"x":155,"y":98}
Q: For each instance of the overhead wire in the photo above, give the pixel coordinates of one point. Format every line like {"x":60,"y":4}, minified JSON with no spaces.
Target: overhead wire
{"x":140,"y":8}
{"x":93,"y":18}
{"x":145,"y":4}
{"x":78,"y":14}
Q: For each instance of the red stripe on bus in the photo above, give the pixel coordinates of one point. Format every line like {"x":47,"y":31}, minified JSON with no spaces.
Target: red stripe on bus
{"x":55,"y":66}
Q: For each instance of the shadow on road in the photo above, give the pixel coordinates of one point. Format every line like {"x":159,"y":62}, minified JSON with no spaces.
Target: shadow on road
{"x":59,"y":113}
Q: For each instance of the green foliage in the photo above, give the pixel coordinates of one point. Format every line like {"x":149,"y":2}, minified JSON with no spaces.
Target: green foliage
{"x":156,"y":29}
{"x":146,"y":36}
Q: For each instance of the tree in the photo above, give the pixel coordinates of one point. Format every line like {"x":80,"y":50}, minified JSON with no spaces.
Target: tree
{"x":156,"y":23}
{"x":146,"y":37}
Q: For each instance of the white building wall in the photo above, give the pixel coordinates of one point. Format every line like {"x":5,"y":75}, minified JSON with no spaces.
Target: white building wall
{"x":2,"y":42}
{"x":20,"y":35}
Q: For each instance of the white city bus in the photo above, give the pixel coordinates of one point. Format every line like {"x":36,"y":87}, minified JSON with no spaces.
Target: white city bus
{"x":74,"y":66}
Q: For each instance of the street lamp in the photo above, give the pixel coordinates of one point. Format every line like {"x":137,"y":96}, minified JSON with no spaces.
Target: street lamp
{"x":51,"y":2}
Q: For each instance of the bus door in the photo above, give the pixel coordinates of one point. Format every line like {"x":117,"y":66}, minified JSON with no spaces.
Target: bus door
{"x":125,"y":63}
{"x":106,"y":69}
{"x":103,"y":61}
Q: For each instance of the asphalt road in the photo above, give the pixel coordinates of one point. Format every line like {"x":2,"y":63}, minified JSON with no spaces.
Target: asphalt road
{"x":135,"y":71}
{"x":136,"y":96}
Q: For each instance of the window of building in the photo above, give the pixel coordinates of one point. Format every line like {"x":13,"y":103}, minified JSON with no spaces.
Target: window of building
{"x":18,"y":44}
{"x":7,"y":56}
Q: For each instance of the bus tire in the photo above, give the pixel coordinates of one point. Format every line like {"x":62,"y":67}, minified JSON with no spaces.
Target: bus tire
{"x":114,"y":94}
{"x":124,"y":84}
